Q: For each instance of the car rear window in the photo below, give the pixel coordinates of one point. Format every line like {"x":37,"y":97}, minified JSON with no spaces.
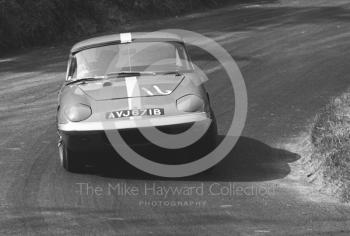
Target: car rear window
{"x":137,"y":56}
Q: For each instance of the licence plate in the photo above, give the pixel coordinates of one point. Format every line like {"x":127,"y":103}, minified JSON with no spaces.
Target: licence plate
{"x":135,"y":112}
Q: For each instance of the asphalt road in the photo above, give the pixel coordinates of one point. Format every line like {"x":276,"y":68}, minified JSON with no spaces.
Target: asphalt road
{"x":293,"y":55}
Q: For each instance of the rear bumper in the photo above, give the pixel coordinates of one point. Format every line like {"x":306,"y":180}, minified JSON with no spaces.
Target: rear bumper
{"x":133,"y":123}
{"x":98,"y":140}
{"x":85,"y":139}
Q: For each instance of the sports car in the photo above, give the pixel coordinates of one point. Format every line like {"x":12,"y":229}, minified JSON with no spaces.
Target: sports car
{"x":130,"y":82}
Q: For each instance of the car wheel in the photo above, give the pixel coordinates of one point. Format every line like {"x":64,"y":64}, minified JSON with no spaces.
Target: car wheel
{"x":205,"y":144}
{"x":210,"y":138}
{"x":210,"y":143}
{"x":70,"y":160}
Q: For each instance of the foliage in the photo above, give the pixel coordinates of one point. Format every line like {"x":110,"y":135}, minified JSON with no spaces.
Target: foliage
{"x":26,"y":23}
{"x":331,"y":140}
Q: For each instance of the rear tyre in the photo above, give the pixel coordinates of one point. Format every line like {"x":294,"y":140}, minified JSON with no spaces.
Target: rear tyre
{"x":70,"y":160}
{"x":205,"y":144}
{"x":208,"y":143}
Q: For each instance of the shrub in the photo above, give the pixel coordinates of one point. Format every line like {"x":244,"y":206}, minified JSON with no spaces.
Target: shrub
{"x":331,"y":140}
{"x":25,"y":23}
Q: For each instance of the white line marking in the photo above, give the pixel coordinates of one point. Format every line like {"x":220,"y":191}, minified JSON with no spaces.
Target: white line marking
{"x":125,"y":38}
{"x":134,"y":94}
{"x":160,"y":91}
{"x":147,"y":91}
{"x":14,"y":148}
{"x":262,"y":231}
{"x":225,"y":206}
{"x":133,"y":90}
{"x":228,"y":213}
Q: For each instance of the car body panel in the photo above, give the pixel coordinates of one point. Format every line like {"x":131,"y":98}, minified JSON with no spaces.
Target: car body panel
{"x":116,"y":38}
{"x":102,"y":101}
{"x":148,"y":85}
{"x":126,"y":93}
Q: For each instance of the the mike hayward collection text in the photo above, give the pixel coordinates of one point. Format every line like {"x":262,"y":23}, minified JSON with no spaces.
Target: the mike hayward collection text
{"x":157,"y":189}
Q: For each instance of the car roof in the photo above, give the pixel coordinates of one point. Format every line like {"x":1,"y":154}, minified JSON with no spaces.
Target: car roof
{"x":117,"y":38}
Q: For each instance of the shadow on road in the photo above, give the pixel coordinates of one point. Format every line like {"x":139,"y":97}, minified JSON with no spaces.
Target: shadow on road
{"x":250,"y":160}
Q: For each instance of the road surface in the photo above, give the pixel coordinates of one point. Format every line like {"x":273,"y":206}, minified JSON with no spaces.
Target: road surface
{"x":294,"y":56}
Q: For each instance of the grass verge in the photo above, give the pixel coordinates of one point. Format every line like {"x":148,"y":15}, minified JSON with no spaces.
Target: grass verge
{"x":330,"y":138}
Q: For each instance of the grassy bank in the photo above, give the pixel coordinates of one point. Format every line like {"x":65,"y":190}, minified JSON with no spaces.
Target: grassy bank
{"x":330,"y":138}
{"x":25,"y":23}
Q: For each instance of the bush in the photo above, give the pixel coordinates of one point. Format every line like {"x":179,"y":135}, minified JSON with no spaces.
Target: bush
{"x":26,"y":23}
{"x":331,"y":140}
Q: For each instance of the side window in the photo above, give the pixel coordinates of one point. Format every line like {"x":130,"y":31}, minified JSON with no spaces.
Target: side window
{"x":72,"y":66}
{"x":68,"y":66}
{"x":187,"y":57}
